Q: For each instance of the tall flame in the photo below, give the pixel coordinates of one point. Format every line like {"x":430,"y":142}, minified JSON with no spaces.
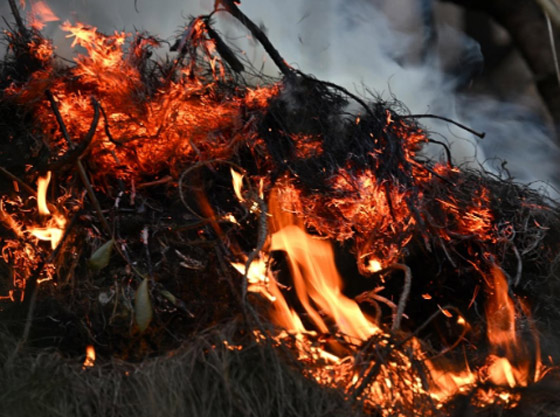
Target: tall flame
{"x":42,"y":186}
{"x":54,"y":229}
{"x":500,"y":313}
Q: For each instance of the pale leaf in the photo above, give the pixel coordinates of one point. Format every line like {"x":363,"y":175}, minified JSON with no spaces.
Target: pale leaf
{"x":142,"y":306}
{"x":100,"y":258}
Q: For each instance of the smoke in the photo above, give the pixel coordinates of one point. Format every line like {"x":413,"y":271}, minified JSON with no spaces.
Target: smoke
{"x":367,"y":46}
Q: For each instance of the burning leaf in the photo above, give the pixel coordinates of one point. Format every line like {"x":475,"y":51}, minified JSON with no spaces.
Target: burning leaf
{"x":100,"y":258}
{"x":143,"y":306}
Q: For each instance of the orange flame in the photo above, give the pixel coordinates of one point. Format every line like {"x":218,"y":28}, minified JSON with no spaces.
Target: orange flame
{"x":237,"y":179}
{"x":500,"y":313}
{"x":318,"y":287}
{"x":316,"y":278}
{"x":40,"y":14}
{"x":90,"y":357}
{"x":54,"y":229}
{"x":42,"y":186}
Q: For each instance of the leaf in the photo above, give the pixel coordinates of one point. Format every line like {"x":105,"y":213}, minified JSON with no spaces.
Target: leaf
{"x":100,"y":258}
{"x":170,"y":297}
{"x":142,"y":306}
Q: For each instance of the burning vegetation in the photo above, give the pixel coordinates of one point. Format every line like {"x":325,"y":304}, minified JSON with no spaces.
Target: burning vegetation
{"x":173,"y":196}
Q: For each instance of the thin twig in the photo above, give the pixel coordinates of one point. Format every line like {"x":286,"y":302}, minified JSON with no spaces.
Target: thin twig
{"x":404,"y":294}
{"x":433,"y":116}
{"x":232,"y":8}
{"x":370,"y":376}
{"x":8,"y":174}
{"x":81,"y":169}
{"x":59,"y":119}
{"x":445,"y":148}
{"x":164,"y":180}
{"x":192,"y":168}
{"x":519,"y":272}
{"x":19,"y":21}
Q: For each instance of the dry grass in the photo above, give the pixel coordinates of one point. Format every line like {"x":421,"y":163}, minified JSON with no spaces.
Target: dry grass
{"x":203,"y":378}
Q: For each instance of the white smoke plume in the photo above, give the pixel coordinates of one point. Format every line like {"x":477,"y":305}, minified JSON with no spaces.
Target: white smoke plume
{"x":363,"y":45}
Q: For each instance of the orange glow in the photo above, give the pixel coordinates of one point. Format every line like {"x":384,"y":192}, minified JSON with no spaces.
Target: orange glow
{"x":90,"y":357}
{"x":40,"y":14}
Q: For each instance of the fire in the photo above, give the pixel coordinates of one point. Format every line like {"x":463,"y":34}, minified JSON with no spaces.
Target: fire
{"x":54,"y":229}
{"x":42,"y":186}
{"x":319,"y":290}
{"x":500,"y":313}
{"x":185,"y":117}
{"x":90,"y":357}
{"x":237,"y":184}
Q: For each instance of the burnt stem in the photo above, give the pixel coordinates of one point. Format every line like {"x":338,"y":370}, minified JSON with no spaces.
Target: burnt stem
{"x":81,"y":169}
{"x":232,"y":9}
{"x":453,"y":122}
{"x":17,"y":16}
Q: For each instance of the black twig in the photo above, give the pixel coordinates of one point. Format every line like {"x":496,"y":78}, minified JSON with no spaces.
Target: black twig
{"x":434,"y":116}
{"x":58,"y":117}
{"x":445,"y":148}
{"x":75,"y":152}
{"x":19,"y":21}
{"x":13,"y":177}
{"x":81,"y":169}
{"x":232,"y":9}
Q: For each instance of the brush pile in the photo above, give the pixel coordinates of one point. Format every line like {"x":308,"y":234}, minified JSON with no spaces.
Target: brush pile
{"x":160,"y":177}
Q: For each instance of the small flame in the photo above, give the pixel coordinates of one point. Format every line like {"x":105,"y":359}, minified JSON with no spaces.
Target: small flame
{"x":90,"y":357}
{"x":237,"y":179}
{"x":42,"y":186}
{"x":54,"y":229}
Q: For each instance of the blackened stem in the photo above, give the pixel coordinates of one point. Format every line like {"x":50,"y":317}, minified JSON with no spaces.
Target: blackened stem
{"x":232,"y":8}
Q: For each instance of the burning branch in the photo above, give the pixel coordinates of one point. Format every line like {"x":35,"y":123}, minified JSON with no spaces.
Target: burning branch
{"x":75,"y":153}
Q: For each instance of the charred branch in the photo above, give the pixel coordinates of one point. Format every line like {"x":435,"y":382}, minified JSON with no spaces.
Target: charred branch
{"x":232,"y":8}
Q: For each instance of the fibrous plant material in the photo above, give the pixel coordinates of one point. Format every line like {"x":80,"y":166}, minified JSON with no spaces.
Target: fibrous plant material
{"x":223,"y":200}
